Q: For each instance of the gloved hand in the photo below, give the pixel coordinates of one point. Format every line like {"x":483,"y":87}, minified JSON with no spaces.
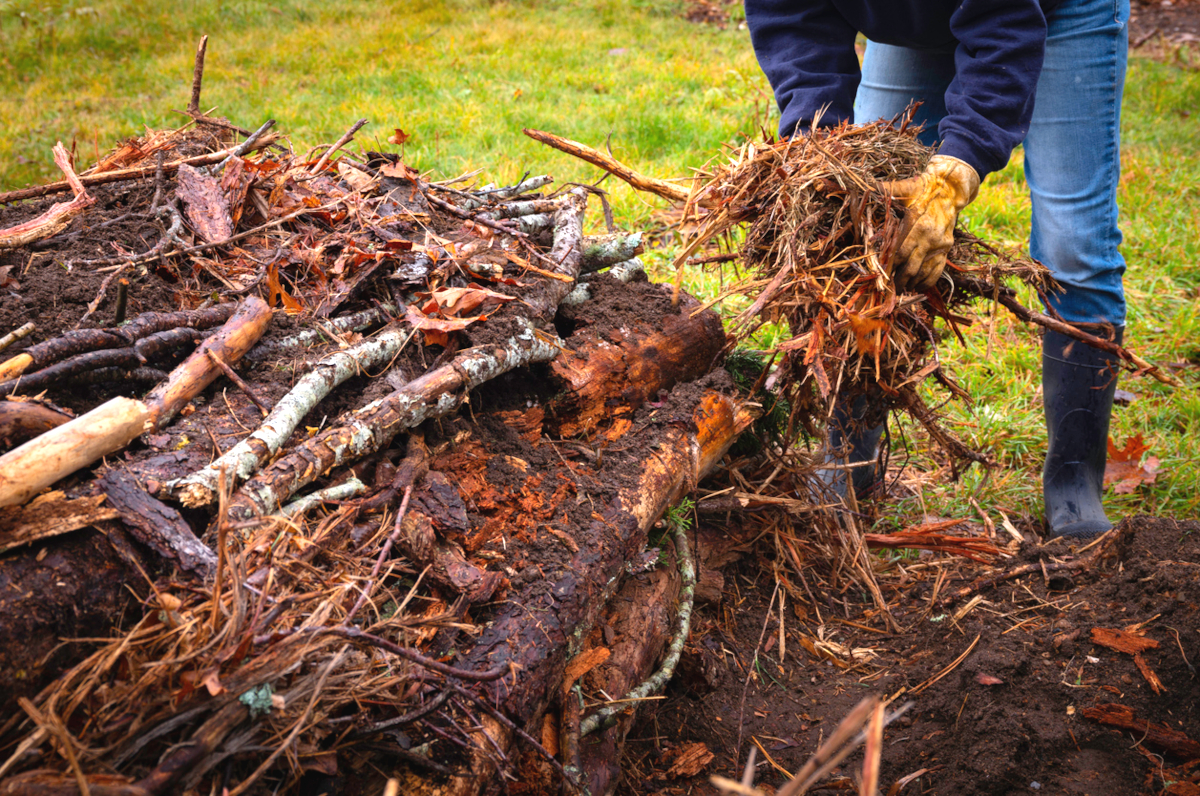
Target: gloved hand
{"x":934,"y":199}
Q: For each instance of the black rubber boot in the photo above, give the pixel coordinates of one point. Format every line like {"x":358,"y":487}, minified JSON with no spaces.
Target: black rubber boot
{"x":1078,"y":383}
{"x":853,"y":437}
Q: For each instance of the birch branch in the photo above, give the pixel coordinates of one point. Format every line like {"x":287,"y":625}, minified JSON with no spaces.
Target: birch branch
{"x":374,"y":426}
{"x":244,"y":459}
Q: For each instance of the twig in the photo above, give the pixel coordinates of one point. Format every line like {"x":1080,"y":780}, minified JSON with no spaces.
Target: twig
{"x":341,"y":142}
{"x":951,"y":667}
{"x":406,"y":718}
{"x":239,"y":381}
{"x":122,"y":299}
{"x":397,"y":529}
{"x":407,"y":653}
{"x":1005,"y":297}
{"x":193,"y":108}
{"x":94,"y":304}
{"x":520,"y":733}
{"x":243,"y":147}
{"x":17,"y":334}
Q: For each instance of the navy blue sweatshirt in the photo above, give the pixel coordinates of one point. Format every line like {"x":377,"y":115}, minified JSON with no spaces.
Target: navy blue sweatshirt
{"x":806,"y":49}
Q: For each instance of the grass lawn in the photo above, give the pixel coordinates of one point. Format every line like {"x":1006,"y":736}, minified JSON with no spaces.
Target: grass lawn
{"x":463,"y":77}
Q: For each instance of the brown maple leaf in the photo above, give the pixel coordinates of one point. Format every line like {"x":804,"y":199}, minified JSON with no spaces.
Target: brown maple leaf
{"x":1126,"y":470}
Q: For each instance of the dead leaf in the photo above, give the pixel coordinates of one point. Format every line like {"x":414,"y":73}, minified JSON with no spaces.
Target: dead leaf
{"x":398,"y":137}
{"x":7,"y":281}
{"x":686,"y":761}
{"x":460,"y":300}
{"x":1125,"y":467}
{"x":399,"y":171}
{"x":358,"y":180}
{"x":421,"y":321}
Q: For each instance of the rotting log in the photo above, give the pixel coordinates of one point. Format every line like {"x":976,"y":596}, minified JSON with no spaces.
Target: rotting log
{"x":71,"y":587}
{"x":640,"y":619}
{"x":539,"y":631}
{"x":604,"y":377}
{"x":111,"y":426}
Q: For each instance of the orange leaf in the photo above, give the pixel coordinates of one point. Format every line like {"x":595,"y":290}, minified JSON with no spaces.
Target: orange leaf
{"x":867,"y":332}
{"x":421,"y":321}
{"x":1125,"y":467}
{"x":398,"y":137}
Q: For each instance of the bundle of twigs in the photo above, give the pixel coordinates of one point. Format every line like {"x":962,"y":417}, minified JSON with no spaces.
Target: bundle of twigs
{"x":820,"y":235}
{"x":820,"y":232}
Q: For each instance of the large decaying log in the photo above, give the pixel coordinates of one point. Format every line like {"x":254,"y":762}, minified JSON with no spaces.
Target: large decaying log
{"x":568,"y":604}
{"x":111,"y":426}
{"x":631,"y":364}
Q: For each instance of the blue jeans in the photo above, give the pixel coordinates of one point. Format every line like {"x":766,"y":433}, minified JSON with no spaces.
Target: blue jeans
{"x":1072,"y":149}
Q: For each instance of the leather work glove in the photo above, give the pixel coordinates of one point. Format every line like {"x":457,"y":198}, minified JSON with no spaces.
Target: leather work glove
{"x":934,"y":199}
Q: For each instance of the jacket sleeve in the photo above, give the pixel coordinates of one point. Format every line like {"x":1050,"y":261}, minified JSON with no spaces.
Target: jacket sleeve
{"x":806,"y":49}
{"x":1001,"y":45}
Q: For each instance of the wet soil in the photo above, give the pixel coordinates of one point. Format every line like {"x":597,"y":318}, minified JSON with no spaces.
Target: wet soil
{"x":1008,"y":718}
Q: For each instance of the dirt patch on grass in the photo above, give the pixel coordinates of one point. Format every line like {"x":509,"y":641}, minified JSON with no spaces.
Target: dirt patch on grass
{"x":1010,"y":717}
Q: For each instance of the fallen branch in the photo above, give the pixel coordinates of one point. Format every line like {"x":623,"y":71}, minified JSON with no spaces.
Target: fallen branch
{"x":107,"y":177}
{"x":641,"y":182}
{"x":55,"y":219}
{"x":1006,"y":297}
{"x":373,"y":427}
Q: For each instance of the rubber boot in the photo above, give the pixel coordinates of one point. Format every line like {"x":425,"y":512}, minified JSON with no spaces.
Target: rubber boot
{"x":853,"y":438}
{"x":1078,"y":383}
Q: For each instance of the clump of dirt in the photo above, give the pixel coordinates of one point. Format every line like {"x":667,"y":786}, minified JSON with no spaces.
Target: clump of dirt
{"x":1010,"y":717}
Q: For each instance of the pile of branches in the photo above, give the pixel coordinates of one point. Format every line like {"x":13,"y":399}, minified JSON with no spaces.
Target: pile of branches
{"x":291,"y":631}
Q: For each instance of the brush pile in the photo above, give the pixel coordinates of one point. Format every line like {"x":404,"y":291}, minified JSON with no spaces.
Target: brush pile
{"x":403,"y":445}
{"x":383,"y":513}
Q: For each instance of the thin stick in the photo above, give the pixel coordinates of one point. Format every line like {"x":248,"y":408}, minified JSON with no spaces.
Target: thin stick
{"x":341,"y":142}
{"x":953,"y":665}
{"x":383,"y":554}
{"x":193,"y":108}
{"x":238,"y":380}
{"x":17,"y":334}
{"x":122,"y":299}
{"x":454,"y":210}
{"x":529,"y":739}
{"x":407,"y":653}
{"x":1005,"y":298}
{"x":584,"y":152}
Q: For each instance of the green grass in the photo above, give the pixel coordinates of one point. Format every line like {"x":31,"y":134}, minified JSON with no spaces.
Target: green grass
{"x":463,"y":77}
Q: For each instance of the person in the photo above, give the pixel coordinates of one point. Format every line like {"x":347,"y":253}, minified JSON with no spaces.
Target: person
{"x":991,"y":74}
